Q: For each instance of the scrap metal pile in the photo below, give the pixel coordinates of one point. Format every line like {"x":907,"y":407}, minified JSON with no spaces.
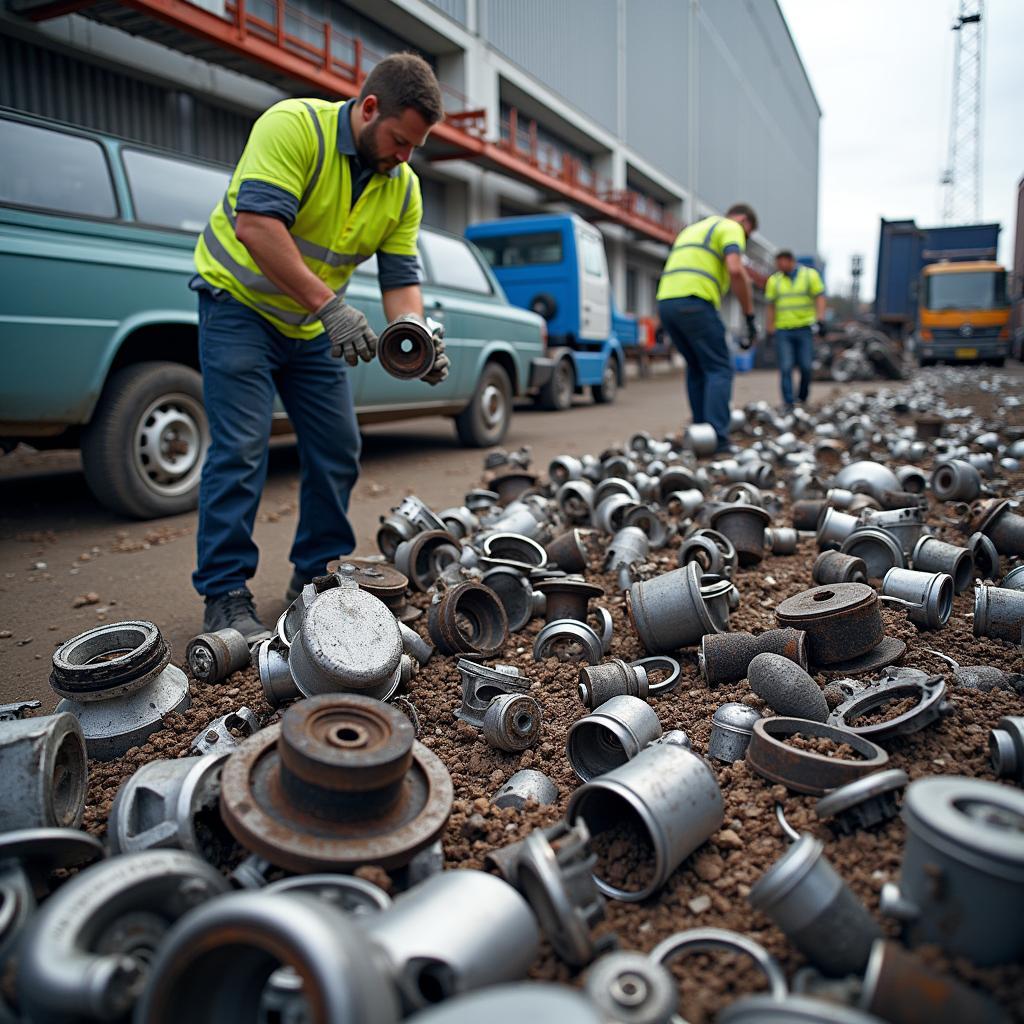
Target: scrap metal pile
{"x":541,"y":643}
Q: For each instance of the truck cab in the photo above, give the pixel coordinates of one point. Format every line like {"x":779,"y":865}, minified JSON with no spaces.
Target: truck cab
{"x":555,"y":265}
{"x":964,"y":313}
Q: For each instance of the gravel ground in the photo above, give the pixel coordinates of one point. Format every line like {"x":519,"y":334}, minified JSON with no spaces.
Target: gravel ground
{"x":711,"y":887}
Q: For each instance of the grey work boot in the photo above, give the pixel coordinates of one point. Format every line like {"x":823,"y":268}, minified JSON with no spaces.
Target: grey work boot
{"x":234,"y":610}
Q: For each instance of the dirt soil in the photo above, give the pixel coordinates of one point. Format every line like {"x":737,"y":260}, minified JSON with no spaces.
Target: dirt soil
{"x":711,"y":887}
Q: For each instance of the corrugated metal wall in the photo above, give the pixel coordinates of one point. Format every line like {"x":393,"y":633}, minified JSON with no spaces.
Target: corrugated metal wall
{"x":455,"y":9}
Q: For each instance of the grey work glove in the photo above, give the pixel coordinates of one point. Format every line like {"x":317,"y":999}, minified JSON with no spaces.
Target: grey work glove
{"x":348,"y":330}
{"x":439,"y":371}
{"x":746,"y":341}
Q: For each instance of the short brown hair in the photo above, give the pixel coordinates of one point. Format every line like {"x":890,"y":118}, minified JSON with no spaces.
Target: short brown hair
{"x":401,"y":81}
{"x":785,"y":254}
{"x":743,"y":210}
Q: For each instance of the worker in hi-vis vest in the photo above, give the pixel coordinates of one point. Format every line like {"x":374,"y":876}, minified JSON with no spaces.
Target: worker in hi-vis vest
{"x":796,"y":301}
{"x":319,"y":188}
{"x":705,"y":259}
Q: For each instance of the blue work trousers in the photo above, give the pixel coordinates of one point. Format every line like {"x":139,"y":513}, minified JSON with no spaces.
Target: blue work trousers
{"x":795,"y":347}
{"x":698,"y":333}
{"x":244,"y":358}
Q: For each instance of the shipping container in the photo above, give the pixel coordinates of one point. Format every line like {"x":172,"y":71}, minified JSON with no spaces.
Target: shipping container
{"x":1017,"y":280}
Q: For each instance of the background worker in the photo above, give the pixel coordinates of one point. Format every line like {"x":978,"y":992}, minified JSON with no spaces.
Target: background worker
{"x":796,"y":299}
{"x":319,"y":188}
{"x":705,"y":259}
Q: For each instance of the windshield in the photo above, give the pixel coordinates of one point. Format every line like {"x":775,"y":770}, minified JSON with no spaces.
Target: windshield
{"x":982,"y":289}
{"x":521,"y":250}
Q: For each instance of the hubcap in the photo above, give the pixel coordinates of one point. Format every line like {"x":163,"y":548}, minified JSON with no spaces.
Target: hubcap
{"x":170,"y":441}
{"x":492,"y":405}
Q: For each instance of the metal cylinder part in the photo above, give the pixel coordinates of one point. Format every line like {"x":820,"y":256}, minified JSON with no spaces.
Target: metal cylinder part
{"x":568,"y":640}
{"x":568,"y":552}
{"x":998,"y":613}
{"x":878,"y":549}
{"x":275,"y":676}
{"x":807,"y":514}
{"x":563,"y":468}
{"x":455,"y":932}
{"x":43,"y":765}
{"x":512,"y":722}
{"x":640,"y":801}
{"x":459,"y":521}
{"x":599,"y":683}
{"x":868,"y":477}
{"x":745,"y":526}
{"x":781,"y":540}
{"x":1014,"y":579}
{"x":986,"y":558}
{"x":468,"y":619}
{"x":685,"y":503}
{"x":630,"y":546}
{"x":425,"y":556}
{"x":610,"y":736}
{"x":929,"y":595}
{"x":514,"y":591}
{"x":108,"y":661}
{"x":214,"y":656}
{"x":835,"y":567}
{"x":700,"y":438}
{"x":630,"y":988}
{"x":481,"y":684}
{"x":834,"y":527}
{"x":611,"y":510}
{"x":841,"y":620}
{"x":933,"y":555}
{"x":806,"y":898}
{"x":575,"y":500}
{"x":526,"y":785}
{"x":912,"y":479}
{"x":514,"y":549}
{"x":731,"y":728}
{"x":906,"y":525}
{"x":1006,"y":748}
{"x":567,"y":597}
{"x":668,"y":612}
{"x":405,"y":348}
{"x":724,"y":657}
{"x":955,"y":480}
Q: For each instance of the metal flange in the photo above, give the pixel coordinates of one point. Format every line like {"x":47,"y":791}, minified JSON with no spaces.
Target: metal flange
{"x":930,"y":694}
{"x":468,"y":619}
{"x":223,"y":734}
{"x":568,"y":597}
{"x":841,"y":620}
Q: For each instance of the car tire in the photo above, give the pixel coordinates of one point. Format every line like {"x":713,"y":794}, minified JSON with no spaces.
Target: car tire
{"x":556,"y":394}
{"x":485,"y":421}
{"x":143,"y":450}
{"x":544,"y":305}
{"x":606,"y":392}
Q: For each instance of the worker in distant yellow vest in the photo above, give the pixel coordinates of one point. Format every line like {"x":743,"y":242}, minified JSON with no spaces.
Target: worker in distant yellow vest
{"x":705,"y":259}
{"x":796,"y":301}
{"x":319,"y":188}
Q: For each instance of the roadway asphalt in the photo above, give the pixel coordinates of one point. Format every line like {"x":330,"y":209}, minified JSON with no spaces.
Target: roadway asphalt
{"x":59,"y":547}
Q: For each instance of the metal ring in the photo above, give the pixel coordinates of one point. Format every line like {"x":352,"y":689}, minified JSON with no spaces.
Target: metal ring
{"x":607,"y":628}
{"x":703,"y":940}
{"x":673,"y":666}
{"x":567,"y":630}
{"x":787,"y":830}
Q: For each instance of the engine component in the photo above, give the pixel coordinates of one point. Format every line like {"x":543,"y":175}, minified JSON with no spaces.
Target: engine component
{"x":459,"y":521}
{"x":700,"y":438}
{"x":223,"y":734}
{"x":455,"y":932}
{"x":802,"y":893}
{"x":926,"y":596}
{"x":841,"y":620}
{"x":567,"y":551}
{"x":986,"y":558}
{"x":407,"y":519}
{"x":525,"y":785}
{"x":170,"y":804}
{"x":630,"y":988}
{"x":997,"y":519}
{"x":87,"y":952}
{"x":999,"y":613}
{"x":878,"y":549}
{"x":338,"y":783}
{"x":568,"y":640}
{"x":731,"y":728}
{"x":649,"y":522}
{"x":1006,"y":748}
{"x":481,"y":685}
{"x":567,"y":597}
{"x":563,"y":468}
{"x":786,"y":687}
{"x":963,"y":868}
{"x":834,"y":527}
{"x":43,"y":765}
{"x":837,"y":567}
{"x":745,"y":526}
{"x":725,"y":657}
{"x":40,"y":852}
{"x":117,"y":681}
{"x":610,"y":736}
{"x":781,"y":540}
{"x":599,"y":683}
{"x":929,"y":692}
{"x":275,"y":676}
{"x":636,"y":797}
{"x":668,"y":612}
{"x":955,"y":480}
{"x":414,"y":645}
{"x":512,"y":722}
{"x":805,"y":771}
{"x":684,"y":504}
{"x":762,"y":1009}
{"x":425,"y":556}
{"x":405,"y":348}
{"x":933,"y":555}
{"x":214,"y":656}
{"x":468,"y":619}
{"x":865,"y":802}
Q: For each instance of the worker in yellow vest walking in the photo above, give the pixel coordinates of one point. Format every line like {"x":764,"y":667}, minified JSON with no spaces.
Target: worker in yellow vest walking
{"x":796,"y":301}
{"x":705,"y":259}
{"x":319,"y":188}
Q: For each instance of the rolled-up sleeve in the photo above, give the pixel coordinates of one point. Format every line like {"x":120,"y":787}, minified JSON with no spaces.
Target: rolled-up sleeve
{"x":267,"y":200}
{"x":398,"y":264}
{"x":397,"y":271}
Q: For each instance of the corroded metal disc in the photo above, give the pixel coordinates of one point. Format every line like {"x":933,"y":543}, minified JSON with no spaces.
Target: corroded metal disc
{"x":842,"y":621}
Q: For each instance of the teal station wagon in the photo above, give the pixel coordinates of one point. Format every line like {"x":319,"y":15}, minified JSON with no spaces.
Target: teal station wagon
{"x":98,"y":327}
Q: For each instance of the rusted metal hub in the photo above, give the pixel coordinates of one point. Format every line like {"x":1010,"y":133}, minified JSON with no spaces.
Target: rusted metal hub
{"x":744,"y":525}
{"x":378,"y":579}
{"x":468,"y":619}
{"x":405,"y":348}
{"x":567,"y":598}
{"x":841,"y":620}
{"x":339,"y":783}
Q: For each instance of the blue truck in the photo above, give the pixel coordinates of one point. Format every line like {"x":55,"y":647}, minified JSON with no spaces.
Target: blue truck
{"x":555,"y":265}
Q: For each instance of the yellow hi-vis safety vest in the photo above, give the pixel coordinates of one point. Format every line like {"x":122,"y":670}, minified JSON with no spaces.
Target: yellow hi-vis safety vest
{"x":794,"y":297}
{"x":294,"y":146}
{"x":696,"y":263}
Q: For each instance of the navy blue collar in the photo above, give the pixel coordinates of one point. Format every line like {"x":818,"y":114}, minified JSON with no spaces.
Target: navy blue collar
{"x":346,"y":140}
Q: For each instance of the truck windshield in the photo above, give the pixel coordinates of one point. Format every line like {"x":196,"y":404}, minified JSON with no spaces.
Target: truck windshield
{"x":982,"y":289}
{"x":521,"y":250}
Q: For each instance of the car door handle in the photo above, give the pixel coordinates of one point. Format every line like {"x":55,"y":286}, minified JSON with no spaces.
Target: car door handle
{"x":437,"y":304}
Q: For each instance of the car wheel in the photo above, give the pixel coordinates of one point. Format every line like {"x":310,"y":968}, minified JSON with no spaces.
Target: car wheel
{"x":143,"y":450}
{"x":557,"y":393}
{"x":606,"y":392}
{"x":484,"y":422}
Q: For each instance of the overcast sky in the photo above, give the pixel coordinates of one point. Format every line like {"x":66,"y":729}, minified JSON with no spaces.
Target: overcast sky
{"x":883,"y":74}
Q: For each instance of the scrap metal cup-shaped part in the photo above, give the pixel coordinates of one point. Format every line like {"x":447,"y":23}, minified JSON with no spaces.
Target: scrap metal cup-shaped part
{"x":998,"y":613}
{"x":405,"y":348}
{"x":43,"y":765}
{"x":685,"y":503}
{"x":668,"y":612}
{"x":642,"y":800}
{"x":700,"y":438}
{"x":599,"y":683}
{"x":348,"y":641}
{"x":630,"y":546}
{"x":807,"y":514}
{"x":731,"y":728}
{"x":878,"y":549}
{"x":515,"y":547}
{"x":1007,"y":532}
{"x":933,"y":555}
{"x":745,"y":526}
{"x":905,"y":524}
{"x":515,"y":593}
{"x":567,"y":552}
{"x":563,"y":468}
{"x":455,"y":932}
{"x":512,"y":722}
{"x":956,"y":480}
{"x":275,"y":676}
{"x":930,"y":595}
{"x":567,"y":598}
{"x":525,"y":785}
{"x":609,"y":512}
{"x":963,"y":869}
{"x":781,"y":540}
{"x":807,"y":899}
{"x":422,"y":559}
{"x":870,"y":477}
{"x":394,"y":530}
{"x":214,"y":656}
{"x":575,"y":500}
{"x":1006,"y":748}
{"x":986,"y":558}
{"x":912,"y":479}
{"x":468,"y":619}
{"x":610,"y":736}
{"x":724,"y":657}
{"x":1014,"y":580}
{"x":834,"y":527}
{"x":836,"y":567}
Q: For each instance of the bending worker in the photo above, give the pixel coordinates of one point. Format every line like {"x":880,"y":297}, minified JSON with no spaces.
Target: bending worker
{"x":319,"y":188}
{"x":704,"y":261}
{"x":796,"y":299}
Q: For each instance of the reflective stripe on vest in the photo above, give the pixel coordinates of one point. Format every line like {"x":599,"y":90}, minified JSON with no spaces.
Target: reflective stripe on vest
{"x":693,"y":260}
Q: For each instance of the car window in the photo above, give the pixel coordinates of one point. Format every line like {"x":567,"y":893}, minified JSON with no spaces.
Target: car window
{"x":521,"y":250}
{"x":50,"y":170}
{"x":453,"y":264}
{"x":172,"y":193}
{"x":593,"y":255}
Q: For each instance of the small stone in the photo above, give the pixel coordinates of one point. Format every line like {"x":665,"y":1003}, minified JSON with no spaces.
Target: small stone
{"x":24,"y":641}
{"x":699,"y":904}
{"x":5,"y":634}
{"x":83,"y":599}
{"x":727,"y":839}
{"x":39,"y":565}
{"x":474,"y":826}
{"x":708,"y":867}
